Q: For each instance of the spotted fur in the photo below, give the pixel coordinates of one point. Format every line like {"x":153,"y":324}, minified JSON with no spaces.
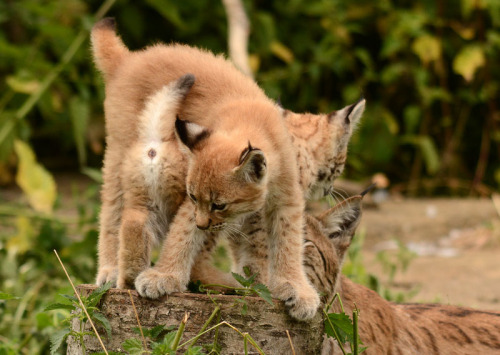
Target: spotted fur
{"x":385,"y":327}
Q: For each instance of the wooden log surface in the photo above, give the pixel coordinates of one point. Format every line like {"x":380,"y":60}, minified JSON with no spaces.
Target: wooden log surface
{"x":266,"y":324}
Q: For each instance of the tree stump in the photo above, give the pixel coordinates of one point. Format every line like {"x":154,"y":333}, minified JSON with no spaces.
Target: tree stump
{"x":266,"y":324}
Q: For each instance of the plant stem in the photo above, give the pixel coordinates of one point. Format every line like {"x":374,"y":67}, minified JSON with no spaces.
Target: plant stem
{"x":138,"y":321}
{"x":229,"y":287}
{"x":291,"y":344}
{"x":355,"y":331}
{"x":81,"y":304}
{"x":250,"y":339}
{"x":335,"y":333}
{"x":209,"y":320}
{"x":329,"y":305}
{"x":180,"y":331}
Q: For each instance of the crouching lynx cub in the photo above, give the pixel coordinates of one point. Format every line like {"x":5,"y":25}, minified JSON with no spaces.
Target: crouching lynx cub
{"x":385,"y":327}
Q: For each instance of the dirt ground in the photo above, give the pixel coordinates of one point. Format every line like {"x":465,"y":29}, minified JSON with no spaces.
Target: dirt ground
{"x":457,"y":243}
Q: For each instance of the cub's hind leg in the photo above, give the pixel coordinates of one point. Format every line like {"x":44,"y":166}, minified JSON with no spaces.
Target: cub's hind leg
{"x":134,"y":252}
{"x":110,"y":219}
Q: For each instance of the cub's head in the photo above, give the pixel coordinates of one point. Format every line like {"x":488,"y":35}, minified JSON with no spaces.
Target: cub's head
{"x":226,"y":177}
{"x":327,"y":239}
{"x":321,"y":142}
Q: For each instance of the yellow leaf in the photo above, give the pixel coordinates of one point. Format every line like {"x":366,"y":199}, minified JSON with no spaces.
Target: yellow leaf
{"x":35,"y":181}
{"x":21,"y":85}
{"x":468,"y":61}
{"x":427,"y":47}
{"x":22,"y":241}
{"x":281,"y":51}
{"x":254,"y":62}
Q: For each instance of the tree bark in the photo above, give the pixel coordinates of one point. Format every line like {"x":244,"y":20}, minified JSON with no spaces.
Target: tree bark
{"x":266,"y":324}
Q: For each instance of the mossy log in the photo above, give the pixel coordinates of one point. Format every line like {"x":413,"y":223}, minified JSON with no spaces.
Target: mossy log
{"x":266,"y":324}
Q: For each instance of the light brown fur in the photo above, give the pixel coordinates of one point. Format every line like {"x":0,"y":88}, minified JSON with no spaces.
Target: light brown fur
{"x":385,"y":327}
{"x":132,"y":77}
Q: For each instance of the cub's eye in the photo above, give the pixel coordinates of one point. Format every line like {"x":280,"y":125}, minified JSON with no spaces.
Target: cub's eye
{"x":218,"y":207}
{"x":191,"y":196}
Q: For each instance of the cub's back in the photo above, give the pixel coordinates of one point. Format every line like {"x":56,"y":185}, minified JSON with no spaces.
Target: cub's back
{"x":144,"y":72}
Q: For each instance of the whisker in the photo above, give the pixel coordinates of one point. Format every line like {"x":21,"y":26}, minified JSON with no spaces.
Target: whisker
{"x":231,"y":228}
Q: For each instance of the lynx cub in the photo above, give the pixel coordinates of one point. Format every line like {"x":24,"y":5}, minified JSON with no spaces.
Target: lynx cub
{"x":385,"y":327}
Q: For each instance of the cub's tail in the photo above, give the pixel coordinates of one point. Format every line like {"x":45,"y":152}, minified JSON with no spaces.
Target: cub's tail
{"x":107,"y":48}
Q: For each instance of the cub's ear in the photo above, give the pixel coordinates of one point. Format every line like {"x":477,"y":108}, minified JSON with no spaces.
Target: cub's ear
{"x":184,"y":84}
{"x":252,"y":164}
{"x":340,"y":222}
{"x":190,"y":133}
{"x":349,"y":115}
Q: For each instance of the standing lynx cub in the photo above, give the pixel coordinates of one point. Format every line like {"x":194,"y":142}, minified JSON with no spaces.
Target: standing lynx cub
{"x":227,"y":175}
{"x":131,"y":79}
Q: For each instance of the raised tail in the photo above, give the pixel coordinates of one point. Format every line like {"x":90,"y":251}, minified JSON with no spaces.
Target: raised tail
{"x":107,"y":48}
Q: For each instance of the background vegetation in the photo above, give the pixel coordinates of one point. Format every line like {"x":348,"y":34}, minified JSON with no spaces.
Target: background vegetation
{"x":428,"y":69}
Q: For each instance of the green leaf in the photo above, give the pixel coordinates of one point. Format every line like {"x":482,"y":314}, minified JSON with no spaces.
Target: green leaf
{"x":427,"y":48}
{"x":468,"y":60}
{"x":7,"y":296}
{"x":35,"y":181}
{"x":94,"y":174}
{"x":54,"y":306}
{"x":71,"y":298}
{"x":133,"y":346}
{"x":195,"y":350}
{"x":80,"y":113}
{"x":156,"y":331}
{"x":428,"y":149}
{"x":96,"y":295}
{"x":57,"y":339}
{"x":169,"y":10}
{"x":165,"y":346}
{"x":101,"y":318}
{"x":342,"y":325}
{"x":243,"y":281}
{"x":263,"y":292}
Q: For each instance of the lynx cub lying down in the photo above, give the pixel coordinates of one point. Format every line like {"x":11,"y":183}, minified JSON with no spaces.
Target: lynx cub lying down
{"x":236,"y":136}
{"x":385,"y":327}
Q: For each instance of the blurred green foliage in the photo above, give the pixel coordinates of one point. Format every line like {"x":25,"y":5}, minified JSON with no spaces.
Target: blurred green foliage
{"x":427,"y":69}
{"x":29,"y":270}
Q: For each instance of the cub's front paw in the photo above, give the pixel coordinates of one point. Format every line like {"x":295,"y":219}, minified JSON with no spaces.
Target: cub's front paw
{"x":107,"y":274}
{"x":303,"y":300}
{"x":153,"y":284}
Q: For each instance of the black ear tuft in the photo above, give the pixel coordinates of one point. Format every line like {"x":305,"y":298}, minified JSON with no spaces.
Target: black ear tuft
{"x":368,"y":189}
{"x":190,"y":133}
{"x":185,"y":82}
{"x":245,"y":152}
{"x":107,"y":23}
{"x":350,"y":114}
{"x":252,"y":164}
